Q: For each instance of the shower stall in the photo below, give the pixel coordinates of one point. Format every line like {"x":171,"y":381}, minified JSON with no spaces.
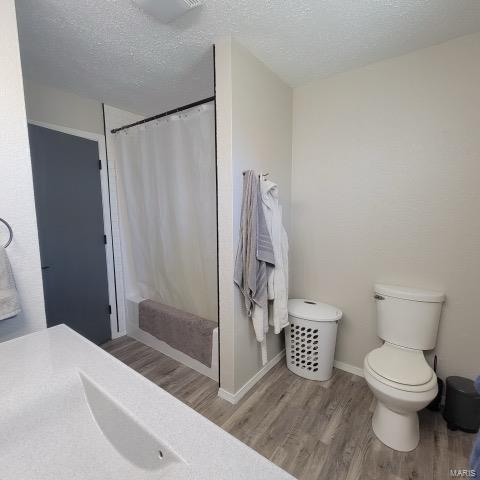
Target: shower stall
{"x":166,"y":191}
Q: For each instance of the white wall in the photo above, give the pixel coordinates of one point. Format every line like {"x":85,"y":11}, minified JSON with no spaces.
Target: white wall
{"x":254,"y":115}
{"x":115,"y":118}
{"x":16,"y":188}
{"x":386,"y":172}
{"x":51,"y":105}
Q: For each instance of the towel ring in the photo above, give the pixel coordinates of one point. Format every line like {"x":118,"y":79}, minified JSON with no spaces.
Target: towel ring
{"x":10,"y":232}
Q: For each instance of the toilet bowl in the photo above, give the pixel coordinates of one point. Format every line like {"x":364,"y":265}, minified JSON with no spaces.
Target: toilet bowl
{"x":397,"y":373}
{"x":395,"y":420}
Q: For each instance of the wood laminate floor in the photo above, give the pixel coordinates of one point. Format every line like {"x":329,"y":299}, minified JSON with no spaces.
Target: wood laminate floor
{"x":313,"y":430}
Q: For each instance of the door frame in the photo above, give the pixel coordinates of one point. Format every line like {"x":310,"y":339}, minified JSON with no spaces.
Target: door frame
{"x":107,"y":224}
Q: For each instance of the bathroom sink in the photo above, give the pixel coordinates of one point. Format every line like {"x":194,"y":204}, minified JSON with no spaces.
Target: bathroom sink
{"x":70,"y":411}
{"x":130,"y":439}
{"x":76,"y":430}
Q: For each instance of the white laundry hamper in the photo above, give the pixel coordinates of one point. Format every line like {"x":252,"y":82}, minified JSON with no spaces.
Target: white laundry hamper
{"x":310,"y":338}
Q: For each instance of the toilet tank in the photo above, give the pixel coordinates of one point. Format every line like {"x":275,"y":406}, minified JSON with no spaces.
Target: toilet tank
{"x":408,"y":317}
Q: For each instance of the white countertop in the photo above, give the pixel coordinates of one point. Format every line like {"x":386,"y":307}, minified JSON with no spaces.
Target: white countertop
{"x":70,"y":410}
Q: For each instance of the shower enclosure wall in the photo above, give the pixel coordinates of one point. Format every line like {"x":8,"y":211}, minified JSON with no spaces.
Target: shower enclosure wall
{"x":166,"y":188}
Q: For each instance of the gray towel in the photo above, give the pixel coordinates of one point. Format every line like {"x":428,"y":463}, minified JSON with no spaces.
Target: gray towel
{"x":9,"y":304}
{"x":254,"y":246}
{"x":183,"y":331}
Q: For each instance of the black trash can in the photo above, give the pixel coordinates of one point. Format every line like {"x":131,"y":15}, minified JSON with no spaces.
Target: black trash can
{"x":462,"y":405}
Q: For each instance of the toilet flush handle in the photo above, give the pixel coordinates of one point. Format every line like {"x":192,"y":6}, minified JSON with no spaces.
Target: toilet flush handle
{"x":378,"y":297}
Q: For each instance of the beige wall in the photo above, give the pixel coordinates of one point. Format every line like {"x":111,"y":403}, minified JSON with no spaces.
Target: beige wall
{"x":386,"y":188}
{"x":254,"y":119}
{"x":223,"y":92}
{"x":51,"y":105}
{"x":54,"y":106}
{"x":261,"y":141}
{"x":16,"y":189}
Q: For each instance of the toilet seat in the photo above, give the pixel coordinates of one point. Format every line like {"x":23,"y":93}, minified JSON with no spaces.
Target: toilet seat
{"x":401,"y":368}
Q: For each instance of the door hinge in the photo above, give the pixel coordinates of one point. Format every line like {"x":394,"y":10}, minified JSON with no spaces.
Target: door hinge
{"x":104,"y":239}
{"x":109,"y":309}
{"x":99,"y":164}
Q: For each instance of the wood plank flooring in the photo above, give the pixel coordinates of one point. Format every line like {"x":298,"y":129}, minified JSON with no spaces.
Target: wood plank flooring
{"x":313,"y":430}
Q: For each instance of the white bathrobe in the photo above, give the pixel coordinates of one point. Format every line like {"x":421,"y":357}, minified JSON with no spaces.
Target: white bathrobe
{"x":277,"y":276}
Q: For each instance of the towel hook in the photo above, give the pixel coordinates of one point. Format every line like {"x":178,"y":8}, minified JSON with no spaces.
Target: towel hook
{"x":10,"y":232}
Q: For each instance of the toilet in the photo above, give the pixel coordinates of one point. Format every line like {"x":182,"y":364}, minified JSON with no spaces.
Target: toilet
{"x":397,"y":372}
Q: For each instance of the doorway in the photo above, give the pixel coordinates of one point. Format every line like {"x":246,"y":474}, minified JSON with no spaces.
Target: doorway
{"x":72,"y":230}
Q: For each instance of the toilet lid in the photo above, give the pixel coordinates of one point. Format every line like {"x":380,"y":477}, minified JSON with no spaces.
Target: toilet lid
{"x":400,"y":365}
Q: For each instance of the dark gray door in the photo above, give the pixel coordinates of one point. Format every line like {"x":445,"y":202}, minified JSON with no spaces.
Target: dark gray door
{"x":68,"y":200}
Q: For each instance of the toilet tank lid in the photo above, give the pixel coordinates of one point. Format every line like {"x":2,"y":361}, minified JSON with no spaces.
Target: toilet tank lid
{"x":312,"y":310}
{"x":407,"y":293}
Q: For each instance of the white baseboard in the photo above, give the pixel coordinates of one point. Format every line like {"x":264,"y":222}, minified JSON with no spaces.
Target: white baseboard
{"x":236,"y":397}
{"x":348,"y":368}
{"x":162,"y":347}
{"x":119,"y":334}
{"x":229,"y":397}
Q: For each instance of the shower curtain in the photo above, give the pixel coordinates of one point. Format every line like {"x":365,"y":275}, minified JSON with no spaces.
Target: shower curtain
{"x":167,"y":201}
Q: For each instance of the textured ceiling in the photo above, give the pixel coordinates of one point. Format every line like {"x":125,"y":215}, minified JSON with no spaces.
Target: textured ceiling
{"x":110,"y":50}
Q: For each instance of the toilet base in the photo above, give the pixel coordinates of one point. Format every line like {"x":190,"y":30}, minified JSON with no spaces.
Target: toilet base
{"x":399,"y":431}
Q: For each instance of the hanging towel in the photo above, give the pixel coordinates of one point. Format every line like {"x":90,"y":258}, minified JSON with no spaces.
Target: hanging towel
{"x":254,"y":252}
{"x":189,"y":333}
{"x":277,"y":275}
{"x":9,"y":303}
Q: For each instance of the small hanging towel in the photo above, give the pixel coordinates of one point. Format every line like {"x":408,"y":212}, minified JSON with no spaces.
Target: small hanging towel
{"x":254,"y":252}
{"x":9,"y":303}
{"x":277,"y":275}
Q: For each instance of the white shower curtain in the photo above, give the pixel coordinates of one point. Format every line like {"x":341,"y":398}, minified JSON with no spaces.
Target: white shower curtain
{"x":167,"y":201}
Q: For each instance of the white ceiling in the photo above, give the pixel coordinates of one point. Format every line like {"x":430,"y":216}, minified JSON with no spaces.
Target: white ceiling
{"x":110,"y":50}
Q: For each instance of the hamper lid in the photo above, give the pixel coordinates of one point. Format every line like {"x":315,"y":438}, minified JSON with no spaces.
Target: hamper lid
{"x":311,"y":310}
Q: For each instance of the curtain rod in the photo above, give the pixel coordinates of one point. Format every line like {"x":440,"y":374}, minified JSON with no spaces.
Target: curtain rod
{"x":164,"y":114}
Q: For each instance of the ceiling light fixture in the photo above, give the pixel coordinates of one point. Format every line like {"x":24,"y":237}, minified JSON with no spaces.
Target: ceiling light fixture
{"x":167,"y":10}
